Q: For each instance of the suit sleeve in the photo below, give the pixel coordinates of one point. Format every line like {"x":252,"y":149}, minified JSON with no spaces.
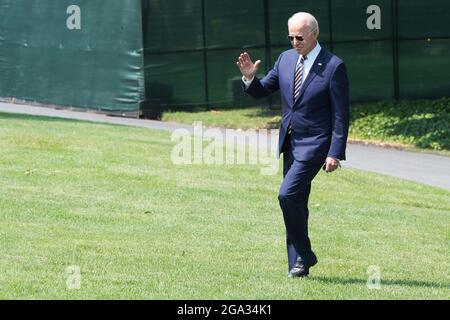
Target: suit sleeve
{"x":340,"y":112}
{"x":269,"y":84}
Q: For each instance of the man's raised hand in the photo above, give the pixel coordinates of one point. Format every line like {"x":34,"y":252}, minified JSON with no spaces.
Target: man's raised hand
{"x":246,"y":65}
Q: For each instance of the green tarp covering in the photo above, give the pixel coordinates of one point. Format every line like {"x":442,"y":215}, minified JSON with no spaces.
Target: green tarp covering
{"x":99,"y":66}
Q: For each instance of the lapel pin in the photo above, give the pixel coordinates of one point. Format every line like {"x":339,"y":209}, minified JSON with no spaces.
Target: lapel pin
{"x":320,"y":64}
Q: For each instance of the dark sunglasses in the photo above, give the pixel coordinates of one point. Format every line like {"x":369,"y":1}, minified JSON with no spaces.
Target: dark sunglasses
{"x":298,"y":38}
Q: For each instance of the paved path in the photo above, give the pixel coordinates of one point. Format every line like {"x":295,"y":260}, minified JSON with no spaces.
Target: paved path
{"x":420,"y":167}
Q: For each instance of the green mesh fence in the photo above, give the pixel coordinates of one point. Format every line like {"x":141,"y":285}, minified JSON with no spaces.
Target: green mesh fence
{"x":191,"y":47}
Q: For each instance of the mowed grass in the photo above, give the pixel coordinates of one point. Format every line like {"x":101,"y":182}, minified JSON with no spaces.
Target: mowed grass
{"x":108,"y":200}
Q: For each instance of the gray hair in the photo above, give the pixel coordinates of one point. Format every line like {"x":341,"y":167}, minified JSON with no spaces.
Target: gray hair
{"x":311,"y":22}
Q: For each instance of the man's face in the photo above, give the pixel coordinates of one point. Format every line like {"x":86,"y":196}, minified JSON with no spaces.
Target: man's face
{"x":309,"y":37}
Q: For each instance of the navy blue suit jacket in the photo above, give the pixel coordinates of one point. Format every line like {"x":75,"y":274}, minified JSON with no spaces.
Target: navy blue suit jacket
{"x":320,"y":116}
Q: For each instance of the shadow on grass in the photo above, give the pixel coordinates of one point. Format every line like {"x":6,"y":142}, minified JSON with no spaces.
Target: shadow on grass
{"x":194,"y":109}
{"x":387,"y":282}
{"x":20,"y":116}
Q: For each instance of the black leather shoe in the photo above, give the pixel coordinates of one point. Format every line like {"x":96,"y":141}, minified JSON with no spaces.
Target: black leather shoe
{"x":301,"y":268}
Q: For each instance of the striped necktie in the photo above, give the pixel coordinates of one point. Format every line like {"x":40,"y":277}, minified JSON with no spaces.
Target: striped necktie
{"x":298,"y":78}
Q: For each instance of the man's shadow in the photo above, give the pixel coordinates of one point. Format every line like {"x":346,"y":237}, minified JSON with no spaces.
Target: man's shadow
{"x":400,"y":282}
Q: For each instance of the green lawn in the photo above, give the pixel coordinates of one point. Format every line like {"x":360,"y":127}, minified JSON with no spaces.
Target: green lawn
{"x":109,"y":200}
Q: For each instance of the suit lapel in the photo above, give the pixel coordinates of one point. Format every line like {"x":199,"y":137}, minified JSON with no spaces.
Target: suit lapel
{"x":318,"y":64}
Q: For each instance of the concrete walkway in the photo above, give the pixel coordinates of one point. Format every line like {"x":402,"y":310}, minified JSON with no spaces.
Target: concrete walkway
{"x":420,"y":167}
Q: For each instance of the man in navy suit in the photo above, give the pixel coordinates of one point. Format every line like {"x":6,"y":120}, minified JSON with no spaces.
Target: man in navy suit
{"x":315,"y":105}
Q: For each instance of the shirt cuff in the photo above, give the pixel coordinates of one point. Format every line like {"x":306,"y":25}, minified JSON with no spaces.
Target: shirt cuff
{"x":246,"y":82}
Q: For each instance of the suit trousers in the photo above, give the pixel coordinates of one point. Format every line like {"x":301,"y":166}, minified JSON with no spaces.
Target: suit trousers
{"x":293,"y":198}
